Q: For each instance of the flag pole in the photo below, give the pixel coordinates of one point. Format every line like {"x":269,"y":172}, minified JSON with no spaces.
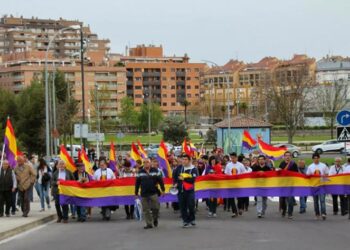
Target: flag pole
{"x":2,"y":155}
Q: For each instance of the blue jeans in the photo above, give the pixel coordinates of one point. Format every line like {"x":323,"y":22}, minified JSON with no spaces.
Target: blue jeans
{"x":320,"y":201}
{"x":81,"y":212}
{"x":44,"y":194}
{"x":187,"y":205}
{"x":302,"y":201}
{"x":73,"y":209}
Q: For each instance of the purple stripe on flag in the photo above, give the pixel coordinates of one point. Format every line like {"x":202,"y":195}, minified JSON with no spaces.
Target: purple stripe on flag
{"x":108,"y":201}
{"x":163,"y":166}
{"x":246,"y":145}
{"x":10,"y":156}
{"x":132,"y":162}
{"x":112,"y":165}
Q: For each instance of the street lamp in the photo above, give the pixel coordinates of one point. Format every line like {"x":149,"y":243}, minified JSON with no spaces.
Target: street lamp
{"x":47,"y":124}
{"x":228,"y":103}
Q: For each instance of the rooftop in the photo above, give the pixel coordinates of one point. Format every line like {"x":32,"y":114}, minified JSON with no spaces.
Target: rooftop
{"x":243,"y":122}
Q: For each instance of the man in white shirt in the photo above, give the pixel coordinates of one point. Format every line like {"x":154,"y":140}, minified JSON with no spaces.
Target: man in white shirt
{"x":336,"y":169}
{"x":318,"y":168}
{"x":234,"y":168}
{"x":102,"y":174}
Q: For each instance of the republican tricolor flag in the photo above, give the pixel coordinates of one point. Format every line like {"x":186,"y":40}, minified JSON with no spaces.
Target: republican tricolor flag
{"x":85,"y":160}
{"x":142,"y":150}
{"x":10,"y":144}
{"x":134,"y":155}
{"x":163,"y":160}
{"x":186,"y":149}
{"x":247,"y":141}
{"x":64,"y":156}
{"x":270,"y":151}
{"x":112,"y":160}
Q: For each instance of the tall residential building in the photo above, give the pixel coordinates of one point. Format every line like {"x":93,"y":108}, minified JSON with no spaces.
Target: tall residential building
{"x":23,"y":43}
{"x":168,"y":81}
{"x":18,"y":34}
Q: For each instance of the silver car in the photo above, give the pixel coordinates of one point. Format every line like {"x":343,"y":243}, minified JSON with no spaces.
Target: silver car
{"x":291,"y":148}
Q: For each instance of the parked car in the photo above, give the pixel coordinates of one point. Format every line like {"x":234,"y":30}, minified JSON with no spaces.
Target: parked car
{"x":291,"y":148}
{"x":76,"y":149}
{"x":346,"y":149}
{"x":329,"y":146}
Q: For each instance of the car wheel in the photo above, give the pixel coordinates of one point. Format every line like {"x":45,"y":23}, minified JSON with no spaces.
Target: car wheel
{"x":295,"y":154}
{"x":319,"y":151}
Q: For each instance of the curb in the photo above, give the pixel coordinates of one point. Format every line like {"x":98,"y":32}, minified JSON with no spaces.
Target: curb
{"x":26,"y":227}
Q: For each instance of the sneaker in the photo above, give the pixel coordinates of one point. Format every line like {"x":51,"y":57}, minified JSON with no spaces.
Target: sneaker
{"x":42,"y":210}
{"x":214,"y":215}
{"x":290,"y":217}
{"x":186,"y":225}
{"x":234,"y":215}
{"x":259,"y":216}
{"x":13,"y":213}
{"x":193,"y":223}
{"x":210,"y":215}
{"x":7,"y":215}
{"x":240,"y":212}
{"x":148,"y":227}
{"x":324,"y":217}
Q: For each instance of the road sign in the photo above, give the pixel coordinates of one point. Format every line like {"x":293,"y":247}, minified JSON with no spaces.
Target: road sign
{"x":343,"y":134}
{"x":96,"y":137}
{"x":80,"y":130}
{"x":343,"y":118}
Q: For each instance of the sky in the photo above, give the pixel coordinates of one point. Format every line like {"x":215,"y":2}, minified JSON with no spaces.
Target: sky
{"x":215,"y":30}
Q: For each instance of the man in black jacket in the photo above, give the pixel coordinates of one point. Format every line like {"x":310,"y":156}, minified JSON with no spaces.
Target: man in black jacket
{"x":288,"y":165}
{"x":8,"y":184}
{"x":184,"y":178}
{"x":148,"y":179}
{"x":261,"y":204}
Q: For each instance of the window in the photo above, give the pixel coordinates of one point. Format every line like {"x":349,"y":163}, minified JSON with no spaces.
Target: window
{"x":172,"y":69}
{"x":173,"y":78}
{"x":172,"y":95}
{"x":164,"y":103}
{"x":173,"y":104}
{"x":188,"y":87}
{"x":138,"y":87}
{"x":138,"y":78}
{"x":189,"y":95}
{"x":196,"y":87}
{"x":163,"y":69}
{"x":138,"y":70}
{"x":138,"y":96}
{"x":188,"y":78}
{"x":164,"y":78}
{"x":164,"y":96}
{"x":138,"y":104}
{"x":164,"y":87}
{"x":172,"y":87}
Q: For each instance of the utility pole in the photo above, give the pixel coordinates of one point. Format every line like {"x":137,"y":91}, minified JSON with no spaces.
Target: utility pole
{"x":83,"y":140}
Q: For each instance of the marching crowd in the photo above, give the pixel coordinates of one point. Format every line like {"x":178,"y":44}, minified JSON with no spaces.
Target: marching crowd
{"x":16,"y":185}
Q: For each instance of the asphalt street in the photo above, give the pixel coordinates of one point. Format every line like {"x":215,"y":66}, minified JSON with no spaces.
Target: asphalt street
{"x":223,"y":232}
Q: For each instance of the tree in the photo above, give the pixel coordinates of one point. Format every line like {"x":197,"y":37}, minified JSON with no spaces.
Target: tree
{"x":330,"y":99}
{"x":8,"y":108}
{"x":30,"y":125}
{"x":174,"y":130}
{"x":128,"y":115}
{"x":156,"y":116}
{"x":287,"y":93}
{"x":211,"y":136}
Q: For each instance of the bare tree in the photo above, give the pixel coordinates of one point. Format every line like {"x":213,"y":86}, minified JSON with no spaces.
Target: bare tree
{"x":330,"y":98}
{"x":287,"y":93}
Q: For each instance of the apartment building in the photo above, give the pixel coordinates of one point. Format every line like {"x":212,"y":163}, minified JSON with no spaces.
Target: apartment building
{"x":168,"y":81}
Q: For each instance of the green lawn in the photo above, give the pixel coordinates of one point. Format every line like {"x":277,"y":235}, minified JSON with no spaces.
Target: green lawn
{"x":144,"y":138}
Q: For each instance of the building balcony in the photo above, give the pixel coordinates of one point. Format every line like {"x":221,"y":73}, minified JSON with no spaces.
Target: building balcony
{"x":151,"y":82}
{"x":130,"y":92}
{"x":180,"y":73}
{"x":151,"y":74}
{"x":129,"y":73}
{"x":180,"y":83}
{"x":129,"y":83}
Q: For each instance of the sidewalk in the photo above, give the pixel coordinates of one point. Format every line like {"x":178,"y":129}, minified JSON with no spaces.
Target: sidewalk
{"x":11,"y":226}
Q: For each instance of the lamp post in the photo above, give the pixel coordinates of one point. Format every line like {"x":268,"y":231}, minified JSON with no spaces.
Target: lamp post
{"x":47,"y":123}
{"x":228,"y":103}
{"x":82,"y":81}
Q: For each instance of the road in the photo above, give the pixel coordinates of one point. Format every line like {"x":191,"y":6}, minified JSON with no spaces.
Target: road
{"x":223,"y":232}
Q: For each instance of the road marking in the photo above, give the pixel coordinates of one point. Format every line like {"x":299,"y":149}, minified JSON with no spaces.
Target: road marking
{"x":24,"y":233}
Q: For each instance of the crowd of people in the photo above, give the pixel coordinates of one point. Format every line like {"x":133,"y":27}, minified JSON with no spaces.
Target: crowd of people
{"x":16,"y":186}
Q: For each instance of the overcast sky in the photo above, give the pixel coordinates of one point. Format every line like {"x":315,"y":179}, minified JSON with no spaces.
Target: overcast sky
{"x":214,"y":30}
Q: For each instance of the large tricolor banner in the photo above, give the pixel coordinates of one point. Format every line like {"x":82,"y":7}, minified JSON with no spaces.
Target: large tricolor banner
{"x":274,"y":183}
